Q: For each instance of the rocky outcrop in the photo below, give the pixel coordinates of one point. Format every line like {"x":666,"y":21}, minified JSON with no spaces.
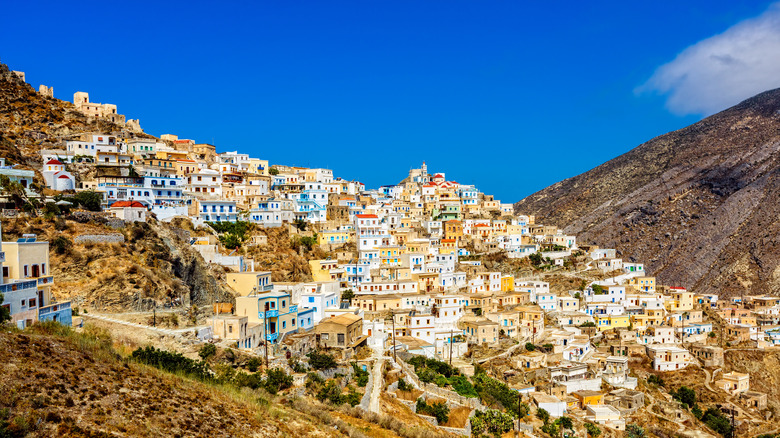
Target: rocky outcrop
{"x":699,"y":205}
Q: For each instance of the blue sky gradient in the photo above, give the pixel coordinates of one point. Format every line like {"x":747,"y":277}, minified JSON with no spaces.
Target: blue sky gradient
{"x":512,"y":96}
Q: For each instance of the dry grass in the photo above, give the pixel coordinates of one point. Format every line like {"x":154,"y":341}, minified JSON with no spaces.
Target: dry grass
{"x":75,"y":385}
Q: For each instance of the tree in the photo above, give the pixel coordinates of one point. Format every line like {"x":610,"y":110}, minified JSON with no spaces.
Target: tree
{"x":321,"y":361}
{"x":440,"y":410}
{"x":597,"y":289}
{"x":529,"y":346}
{"x":89,"y":199}
{"x":634,"y":431}
{"x":566,"y":423}
{"x":5,"y":313}
{"x":273,"y":171}
{"x":543,"y":415}
{"x":655,"y":380}
{"x":491,"y":421}
{"x":276,"y":380}
{"x":685,"y":395}
{"x":347,"y":295}
{"x":718,"y":422}
{"x":230,"y":241}
{"x":593,"y":430}
{"x":207,"y":351}
{"x":61,"y":244}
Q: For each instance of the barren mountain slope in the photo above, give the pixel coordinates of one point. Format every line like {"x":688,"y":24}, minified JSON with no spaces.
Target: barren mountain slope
{"x":30,"y":121}
{"x":699,"y":206}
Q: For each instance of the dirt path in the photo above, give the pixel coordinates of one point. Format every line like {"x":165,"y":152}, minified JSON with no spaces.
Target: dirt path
{"x":169,"y":332}
{"x":376,"y":389}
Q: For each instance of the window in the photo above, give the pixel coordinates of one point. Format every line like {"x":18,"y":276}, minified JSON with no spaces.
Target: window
{"x":26,"y":271}
{"x":230,"y":329}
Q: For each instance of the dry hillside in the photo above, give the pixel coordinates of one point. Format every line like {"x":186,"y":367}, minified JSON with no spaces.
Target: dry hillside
{"x":153,"y":265}
{"x":30,"y":122}
{"x":698,"y":206}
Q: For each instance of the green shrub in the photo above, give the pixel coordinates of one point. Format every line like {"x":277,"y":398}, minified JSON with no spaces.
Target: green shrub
{"x":655,"y":380}
{"x":716,"y":421}
{"x":491,"y":421}
{"x":495,"y":393}
{"x":593,"y":430}
{"x":172,"y":362}
{"x":207,"y":351}
{"x":321,"y":361}
{"x":61,"y":245}
{"x":463,"y":386}
{"x":361,"y":375}
{"x":276,"y":380}
{"x":440,"y":410}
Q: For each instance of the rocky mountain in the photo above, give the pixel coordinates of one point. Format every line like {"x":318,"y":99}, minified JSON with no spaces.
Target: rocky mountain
{"x":699,"y":206}
{"x":30,"y":121}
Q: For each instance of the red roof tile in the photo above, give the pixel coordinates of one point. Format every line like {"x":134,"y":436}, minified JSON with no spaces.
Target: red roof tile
{"x":134,"y":204}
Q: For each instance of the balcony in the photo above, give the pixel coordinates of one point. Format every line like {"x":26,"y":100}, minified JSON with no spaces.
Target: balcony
{"x":266,"y":288}
{"x":271,"y":337}
{"x":43,"y":281}
{"x":59,"y":312}
{"x":269,"y":314}
{"x":293,"y":309}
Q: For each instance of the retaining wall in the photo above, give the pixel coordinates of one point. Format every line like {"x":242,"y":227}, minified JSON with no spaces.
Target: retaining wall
{"x":100,"y":238}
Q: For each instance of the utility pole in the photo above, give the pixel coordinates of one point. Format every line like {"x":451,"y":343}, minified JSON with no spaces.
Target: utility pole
{"x":154,"y":316}
{"x":393,"y":316}
{"x":519,"y":400}
{"x":450,"y":347}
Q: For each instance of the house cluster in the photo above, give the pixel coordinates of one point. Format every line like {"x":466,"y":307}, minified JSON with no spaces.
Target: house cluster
{"x":178,"y":177}
{"x":406,"y":276}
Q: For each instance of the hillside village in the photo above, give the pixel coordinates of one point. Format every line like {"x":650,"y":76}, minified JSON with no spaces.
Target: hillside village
{"x":407,"y":292}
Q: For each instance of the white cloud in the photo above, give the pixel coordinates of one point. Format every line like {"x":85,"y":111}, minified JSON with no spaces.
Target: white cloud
{"x":722,"y":70}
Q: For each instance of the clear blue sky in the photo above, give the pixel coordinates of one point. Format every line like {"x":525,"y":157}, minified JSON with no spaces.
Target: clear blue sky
{"x":512,"y":96}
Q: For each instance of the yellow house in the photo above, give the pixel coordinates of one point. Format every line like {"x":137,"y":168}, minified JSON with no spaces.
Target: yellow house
{"x":390,"y":255}
{"x":333,"y":237}
{"x":606,"y":322}
{"x":420,"y":246}
{"x":247,"y":282}
{"x":28,"y":259}
{"x":651,"y":318}
{"x":507,"y":283}
{"x":453,"y":229}
{"x":274,"y":310}
{"x":588,"y":398}
{"x":172,"y":155}
{"x":258,"y":166}
{"x":448,"y":246}
{"x":644,"y":284}
{"x":680,"y":300}
{"x":374,"y":303}
{"x":326,"y":270}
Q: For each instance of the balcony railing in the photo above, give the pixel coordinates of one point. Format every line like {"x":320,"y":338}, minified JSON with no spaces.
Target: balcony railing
{"x":271,"y":337}
{"x":53,"y":308}
{"x":269,"y":314}
{"x":42,"y":281}
{"x":293,"y":308}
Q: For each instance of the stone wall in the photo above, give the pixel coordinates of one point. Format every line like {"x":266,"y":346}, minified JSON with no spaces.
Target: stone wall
{"x":99,"y":238}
